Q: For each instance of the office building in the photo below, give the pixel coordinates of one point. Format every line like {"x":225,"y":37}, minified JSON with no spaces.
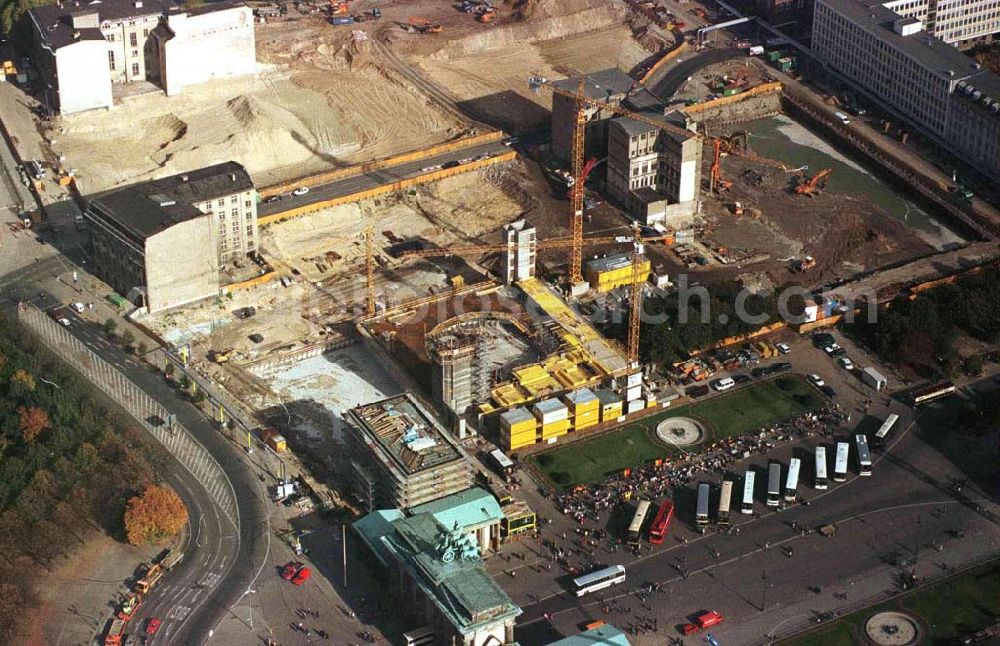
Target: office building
{"x":927,"y":82}
{"x":964,"y":23}
{"x":398,"y":455}
{"x":161,"y":243}
{"x":84,"y":49}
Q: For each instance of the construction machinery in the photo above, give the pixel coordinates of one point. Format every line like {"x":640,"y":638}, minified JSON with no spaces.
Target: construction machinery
{"x":813,"y":185}
{"x":582,"y":102}
{"x":339,"y":8}
{"x":485,"y":13}
{"x":716,"y":182}
{"x":423,"y":25}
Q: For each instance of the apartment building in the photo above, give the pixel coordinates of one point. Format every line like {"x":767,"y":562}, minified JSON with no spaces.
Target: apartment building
{"x":926,"y":81}
{"x":161,"y":243}
{"x":84,"y":49}
{"x":654,"y":174}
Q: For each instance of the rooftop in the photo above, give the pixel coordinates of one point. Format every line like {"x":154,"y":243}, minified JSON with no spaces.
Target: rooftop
{"x":148,"y":208}
{"x":608,"y":396}
{"x":515,"y":415}
{"x":935,"y":55}
{"x":582,"y":396}
{"x":55,"y":21}
{"x":598,"y":86}
{"x":405,"y":433}
{"x":469,"y":508}
{"x":602,"y":635}
{"x":608,"y":263}
{"x":374,"y":526}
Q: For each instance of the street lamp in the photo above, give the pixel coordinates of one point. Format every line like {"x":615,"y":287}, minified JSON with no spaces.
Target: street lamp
{"x":250,"y":591}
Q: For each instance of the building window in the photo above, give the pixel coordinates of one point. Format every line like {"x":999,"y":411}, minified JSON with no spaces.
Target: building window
{"x":233,"y":199}
{"x":135,"y":69}
{"x":221,"y":202}
{"x":247,"y":204}
{"x":145,"y":32}
{"x":236,"y":213}
{"x":111,"y":60}
{"x":249,"y":231}
{"x":133,"y":40}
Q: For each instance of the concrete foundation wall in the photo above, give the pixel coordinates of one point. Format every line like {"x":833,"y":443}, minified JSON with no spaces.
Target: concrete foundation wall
{"x":181,"y":265}
{"x":750,"y":108}
{"x":208,"y":46}
{"x":82,"y":76}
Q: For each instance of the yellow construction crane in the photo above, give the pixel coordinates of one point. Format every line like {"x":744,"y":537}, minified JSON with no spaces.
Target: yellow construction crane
{"x":577,"y":162}
{"x":635,"y":303}
{"x":370,"y":270}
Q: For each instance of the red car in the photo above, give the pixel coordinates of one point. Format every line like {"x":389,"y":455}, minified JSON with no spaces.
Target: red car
{"x":302,"y":576}
{"x":291,"y":569}
{"x":152,"y":626}
{"x":704,"y":621}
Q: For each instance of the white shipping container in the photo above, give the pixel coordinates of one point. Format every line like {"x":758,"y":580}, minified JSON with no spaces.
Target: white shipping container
{"x":633,"y":393}
{"x":635,"y":406}
{"x":634,"y":379}
{"x":810,"y":313}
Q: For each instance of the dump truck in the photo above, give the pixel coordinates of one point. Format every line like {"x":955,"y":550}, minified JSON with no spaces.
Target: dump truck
{"x":149,"y":579}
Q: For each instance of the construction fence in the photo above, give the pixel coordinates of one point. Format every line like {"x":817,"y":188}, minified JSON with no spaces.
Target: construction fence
{"x":360,"y":169}
{"x":153,"y":417}
{"x":666,"y":58}
{"x":387,"y":188}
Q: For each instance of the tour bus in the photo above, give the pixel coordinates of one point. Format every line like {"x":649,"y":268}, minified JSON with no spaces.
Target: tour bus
{"x":638,"y":519}
{"x":419,"y":636}
{"x":661,"y":523}
{"x":930,"y":393}
{"x":883,"y":432}
{"x":724,"y":502}
{"x":864,"y":457}
{"x":820,"y":482}
{"x":792,"y":480}
{"x":773,"y":484}
{"x":599,"y":580}
{"x":701,"y":514}
{"x":747,"y":506}
{"x":503,"y":464}
{"x":840,"y":464}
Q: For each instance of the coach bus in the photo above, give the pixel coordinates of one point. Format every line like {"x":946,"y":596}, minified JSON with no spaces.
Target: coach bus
{"x":792,"y":480}
{"x":930,"y":393}
{"x":598,"y":580}
{"x":701,"y":513}
{"x":820,"y":482}
{"x":840,"y":463}
{"x":725,"y":500}
{"x":747,"y":506}
{"x":661,"y":523}
{"x":864,"y":457}
{"x":773,"y":484}
{"x":638,"y":519}
{"x":883,"y":432}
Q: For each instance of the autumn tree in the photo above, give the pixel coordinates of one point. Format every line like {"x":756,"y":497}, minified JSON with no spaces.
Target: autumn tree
{"x":23,"y":379}
{"x":32,"y":421}
{"x":155,"y":514}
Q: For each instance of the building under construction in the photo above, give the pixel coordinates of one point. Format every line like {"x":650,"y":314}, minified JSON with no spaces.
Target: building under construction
{"x":398,"y":456}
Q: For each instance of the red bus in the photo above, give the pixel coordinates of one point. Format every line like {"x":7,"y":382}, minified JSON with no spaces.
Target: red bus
{"x":661,"y":523}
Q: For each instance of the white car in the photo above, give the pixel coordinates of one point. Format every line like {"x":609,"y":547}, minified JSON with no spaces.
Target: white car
{"x":79,"y":307}
{"x":846,"y":363}
{"x":817,"y":381}
{"x":302,"y":190}
{"x":830,"y":349}
{"x":63,"y":321}
{"x":783,"y":348}
{"x":723,"y":384}
{"x":428,"y":169}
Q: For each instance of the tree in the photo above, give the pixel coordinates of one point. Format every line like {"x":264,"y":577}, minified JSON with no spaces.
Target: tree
{"x":23,"y":379}
{"x":32,"y":421}
{"x":156,"y":514}
{"x":128,"y":339}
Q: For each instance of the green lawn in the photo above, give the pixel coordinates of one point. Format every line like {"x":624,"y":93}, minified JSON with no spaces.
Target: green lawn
{"x":724,"y":416}
{"x":949,"y":610}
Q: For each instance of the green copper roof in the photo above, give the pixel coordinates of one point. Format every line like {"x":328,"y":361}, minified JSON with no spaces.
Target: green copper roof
{"x":606,"y":634}
{"x":470,"y":509}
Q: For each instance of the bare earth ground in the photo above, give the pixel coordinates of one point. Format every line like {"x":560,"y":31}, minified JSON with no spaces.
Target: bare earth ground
{"x":77,"y":595}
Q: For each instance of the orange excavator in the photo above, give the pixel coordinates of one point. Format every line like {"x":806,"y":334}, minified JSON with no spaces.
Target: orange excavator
{"x":717,"y":181}
{"x":813,"y":185}
{"x":424,"y":26}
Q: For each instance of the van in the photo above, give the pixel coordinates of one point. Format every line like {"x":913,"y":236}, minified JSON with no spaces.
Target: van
{"x":843,"y":118}
{"x":723,"y":384}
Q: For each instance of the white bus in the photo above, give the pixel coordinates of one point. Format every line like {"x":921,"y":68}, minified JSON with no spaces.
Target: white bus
{"x":840,"y":463}
{"x":864,"y":456}
{"x":638,"y":519}
{"x":883,"y":432}
{"x":820,"y":482}
{"x":599,"y":580}
{"x":725,"y":500}
{"x":773,"y":484}
{"x":701,"y":514}
{"x":419,"y":636}
{"x":748,"y":482}
{"x":502,"y":462}
{"x":792,"y":480}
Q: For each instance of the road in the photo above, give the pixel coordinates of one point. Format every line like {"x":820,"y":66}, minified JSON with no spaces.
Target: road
{"x":665,"y":83}
{"x":374,"y":179}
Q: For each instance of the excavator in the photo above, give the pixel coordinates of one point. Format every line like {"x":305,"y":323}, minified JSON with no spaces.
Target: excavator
{"x":813,"y":185}
{"x":423,"y":25}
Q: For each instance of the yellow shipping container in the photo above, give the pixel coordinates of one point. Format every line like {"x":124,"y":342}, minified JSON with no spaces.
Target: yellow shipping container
{"x":555,"y":428}
{"x":586,"y":420}
{"x":611,"y":412}
{"x":514,"y":445}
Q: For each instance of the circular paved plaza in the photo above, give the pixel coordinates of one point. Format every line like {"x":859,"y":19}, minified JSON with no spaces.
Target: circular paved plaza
{"x":893,"y":629}
{"x":680,"y":431}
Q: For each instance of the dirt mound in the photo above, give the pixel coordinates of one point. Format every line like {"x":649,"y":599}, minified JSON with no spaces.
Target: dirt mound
{"x":246,"y":110}
{"x":168,"y":129}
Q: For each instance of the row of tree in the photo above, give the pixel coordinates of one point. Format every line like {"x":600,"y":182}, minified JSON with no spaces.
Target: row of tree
{"x":68,"y":467}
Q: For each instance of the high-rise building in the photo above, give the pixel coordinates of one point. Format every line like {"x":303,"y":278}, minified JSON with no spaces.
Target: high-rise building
{"x":518,"y":262}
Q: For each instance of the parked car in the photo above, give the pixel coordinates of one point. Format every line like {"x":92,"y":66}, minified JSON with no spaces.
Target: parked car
{"x":302,"y":190}
{"x":152,"y":626}
{"x":822,"y":339}
{"x":828,"y":391}
{"x":273,"y":199}
{"x":830,"y":349}
{"x":450,"y":164}
{"x":288,"y":572}
{"x":783,"y":348}
{"x":817,"y":381}
{"x":63,"y":321}
{"x":846,"y":363}
{"x":245,"y":312}
{"x":79,"y":307}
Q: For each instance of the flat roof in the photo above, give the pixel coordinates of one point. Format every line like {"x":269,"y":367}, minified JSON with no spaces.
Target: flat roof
{"x":469,"y":508}
{"x":599,"y":85}
{"x":607,"y":396}
{"x":607,"y":263}
{"x":932,"y":53}
{"x":550,"y":406}
{"x":405,"y":433}
{"x":515,"y":415}
{"x":582,"y":396}
{"x":148,"y":208}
